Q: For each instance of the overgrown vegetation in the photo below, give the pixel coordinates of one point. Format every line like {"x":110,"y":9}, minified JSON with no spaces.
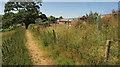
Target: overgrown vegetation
{"x":14,"y":51}
{"x":12,"y":27}
{"x":80,"y":44}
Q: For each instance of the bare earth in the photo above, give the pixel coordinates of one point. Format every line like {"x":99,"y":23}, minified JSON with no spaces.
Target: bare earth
{"x":38,"y":57}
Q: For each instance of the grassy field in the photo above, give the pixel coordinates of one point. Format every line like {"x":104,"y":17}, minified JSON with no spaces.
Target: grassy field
{"x":14,"y":51}
{"x":80,"y":44}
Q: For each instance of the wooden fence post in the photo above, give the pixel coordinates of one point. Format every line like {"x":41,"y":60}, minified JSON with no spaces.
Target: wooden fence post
{"x":54,"y":36}
{"x":38,"y":28}
{"x":108,"y":42}
{"x":68,"y":23}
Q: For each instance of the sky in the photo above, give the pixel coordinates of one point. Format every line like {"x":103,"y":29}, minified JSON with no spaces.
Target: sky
{"x":73,"y":9}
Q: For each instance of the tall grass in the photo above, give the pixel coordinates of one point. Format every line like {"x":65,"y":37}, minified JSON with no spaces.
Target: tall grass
{"x":80,"y":45}
{"x":14,"y":51}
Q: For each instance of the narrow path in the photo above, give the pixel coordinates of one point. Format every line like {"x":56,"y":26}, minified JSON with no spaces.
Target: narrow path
{"x":38,"y":57}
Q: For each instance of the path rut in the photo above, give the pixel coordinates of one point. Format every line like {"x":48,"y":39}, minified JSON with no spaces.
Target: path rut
{"x":37,"y":55}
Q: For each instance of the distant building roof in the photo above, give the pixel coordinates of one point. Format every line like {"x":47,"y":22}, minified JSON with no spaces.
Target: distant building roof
{"x":80,"y":16}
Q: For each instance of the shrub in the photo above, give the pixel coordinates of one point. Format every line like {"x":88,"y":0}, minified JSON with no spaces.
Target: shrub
{"x":13,"y":27}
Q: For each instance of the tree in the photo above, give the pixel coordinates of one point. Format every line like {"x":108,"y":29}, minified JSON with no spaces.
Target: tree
{"x":43,"y":17}
{"x":91,"y":13}
{"x":95,"y":14}
{"x":113,"y":11}
{"x":87,"y":15}
{"x":1,"y":18}
{"x":51,"y":18}
{"x":8,"y":19}
{"x":27,"y":12}
{"x":60,"y":17}
{"x":92,"y":17}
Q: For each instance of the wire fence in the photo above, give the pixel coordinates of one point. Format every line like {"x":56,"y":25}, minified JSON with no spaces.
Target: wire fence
{"x":98,"y":20}
{"x":99,"y":34}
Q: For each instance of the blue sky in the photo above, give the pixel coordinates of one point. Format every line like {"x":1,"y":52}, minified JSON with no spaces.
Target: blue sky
{"x":74,"y":9}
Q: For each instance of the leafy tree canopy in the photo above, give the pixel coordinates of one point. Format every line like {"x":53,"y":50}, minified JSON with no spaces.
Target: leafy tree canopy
{"x":60,"y":17}
{"x":92,"y":16}
{"x":1,"y":18}
{"x":26,"y":12}
{"x":91,"y":13}
{"x":51,"y":18}
{"x":43,"y":16}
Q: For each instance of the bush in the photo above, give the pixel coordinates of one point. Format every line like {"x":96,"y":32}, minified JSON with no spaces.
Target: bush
{"x":31,"y":26}
{"x":13,"y":27}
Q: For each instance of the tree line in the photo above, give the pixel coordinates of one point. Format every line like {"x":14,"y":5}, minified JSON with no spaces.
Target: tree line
{"x":23,"y":13}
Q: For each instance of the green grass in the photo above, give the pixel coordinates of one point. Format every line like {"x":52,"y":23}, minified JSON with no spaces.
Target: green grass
{"x":14,"y":51}
{"x":80,"y":45}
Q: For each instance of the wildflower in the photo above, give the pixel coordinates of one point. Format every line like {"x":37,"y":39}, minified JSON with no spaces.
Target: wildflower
{"x":55,"y":62}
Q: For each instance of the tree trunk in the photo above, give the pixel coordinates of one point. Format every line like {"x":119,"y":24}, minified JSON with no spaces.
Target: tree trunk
{"x":26,"y":26}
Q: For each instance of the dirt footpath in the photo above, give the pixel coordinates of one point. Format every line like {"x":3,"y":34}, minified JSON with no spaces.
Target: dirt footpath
{"x":38,"y":57}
